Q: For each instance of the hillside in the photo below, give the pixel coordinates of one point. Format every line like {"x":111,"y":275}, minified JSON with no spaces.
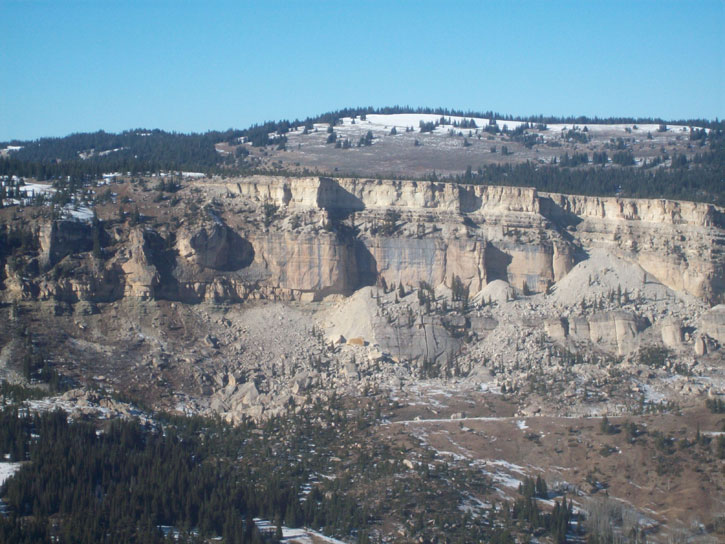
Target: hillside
{"x":648,"y":158}
{"x":369,"y":326}
{"x":479,"y":336}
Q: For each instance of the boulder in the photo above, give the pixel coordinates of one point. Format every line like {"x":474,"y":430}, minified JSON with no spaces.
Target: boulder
{"x":712,"y":323}
{"x":616,"y":331}
{"x":672,"y":333}
{"x":700,"y":346}
{"x":247,"y":393}
{"x":557,"y":329}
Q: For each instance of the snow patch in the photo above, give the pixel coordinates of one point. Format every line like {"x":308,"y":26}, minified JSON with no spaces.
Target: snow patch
{"x":403,"y":120}
{"x":7,"y":470}
{"x":300,"y":536}
{"x":650,"y":395}
{"x":80,"y":213}
{"x":508,"y":466}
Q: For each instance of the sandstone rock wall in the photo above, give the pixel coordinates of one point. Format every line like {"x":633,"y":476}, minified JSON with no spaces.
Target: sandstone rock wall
{"x":432,"y":260}
{"x":441,"y":230}
{"x":679,"y":243}
{"x":648,"y":210}
{"x":358,"y":194}
{"x":142,"y":276}
{"x":60,"y":238}
{"x":317,"y":263}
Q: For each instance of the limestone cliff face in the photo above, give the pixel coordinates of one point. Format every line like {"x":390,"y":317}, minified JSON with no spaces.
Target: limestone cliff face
{"x":218,"y":248}
{"x":332,"y":236}
{"x":678,"y":243}
{"x":141,"y":276}
{"x":712,"y":323}
{"x":633,"y":209}
{"x":431,"y":260}
{"x":318,"y":264}
{"x":518,"y":235}
{"x":614,"y":331}
{"x":359,"y":194}
{"x":504,"y":236}
{"x":60,"y":238}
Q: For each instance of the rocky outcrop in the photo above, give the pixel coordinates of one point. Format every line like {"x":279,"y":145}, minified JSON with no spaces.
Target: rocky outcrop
{"x":218,"y":248}
{"x":678,"y":243}
{"x":57,"y":239}
{"x":557,"y":329}
{"x":316,"y":263}
{"x":332,"y":236}
{"x":614,"y":332}
{"x":141,"y":276}
{"x":660,"y":211}
{"x":532,"y":238}
{"x":430,"y":259}
{"x":712,"y":323}
{"x":672,"y":333}
{"x":362,"y":248}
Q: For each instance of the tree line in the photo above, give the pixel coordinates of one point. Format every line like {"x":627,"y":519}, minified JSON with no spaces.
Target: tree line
{"x":126,"y":481}
{"x":141,"y":151}
{"x":702,"y":180}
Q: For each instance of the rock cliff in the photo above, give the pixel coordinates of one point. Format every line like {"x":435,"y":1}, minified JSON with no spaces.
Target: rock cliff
{"x":378,"y":283}
{"x":311,"y":237}
{"x":481,"y":233}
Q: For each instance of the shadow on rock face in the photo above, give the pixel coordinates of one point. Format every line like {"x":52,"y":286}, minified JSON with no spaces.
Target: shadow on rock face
{"x":497,"y":263}
{"x":366,"y":264}
{"x":222,"y":249}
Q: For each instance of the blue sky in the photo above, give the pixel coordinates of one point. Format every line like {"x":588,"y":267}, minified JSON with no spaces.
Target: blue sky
{"x":69,"y":66}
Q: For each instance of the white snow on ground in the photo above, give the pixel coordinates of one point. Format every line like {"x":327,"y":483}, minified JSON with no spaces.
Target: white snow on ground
{"x":81,"y":213}
{"x":456,"y":456}
{"x":491,"y":388}
{"x":521,"y":424}
{"x":650,"y":395}
{"x":503,"y":478}
{"x":400,"y":120}
{"x":403,"y":120}
{"x":109,"y":151}
{"x":473,"y":506}
{"x":49,"y":404}
{"x":301,"y":536}
{"x":73,"y":408}
{"x":32,"y":189}
{"x":448,"y":420}
{"x":498,"y":470}
{"x":506,"y":480}
{"x":7,"y":470}
{"x":382,"y":123}
{"x":508,"y":466}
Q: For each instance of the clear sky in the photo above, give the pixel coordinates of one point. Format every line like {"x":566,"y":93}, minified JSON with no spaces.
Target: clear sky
{"x":68,"y":66}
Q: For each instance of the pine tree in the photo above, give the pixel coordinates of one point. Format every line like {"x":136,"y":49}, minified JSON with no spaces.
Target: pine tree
{"x":96,"y":235}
